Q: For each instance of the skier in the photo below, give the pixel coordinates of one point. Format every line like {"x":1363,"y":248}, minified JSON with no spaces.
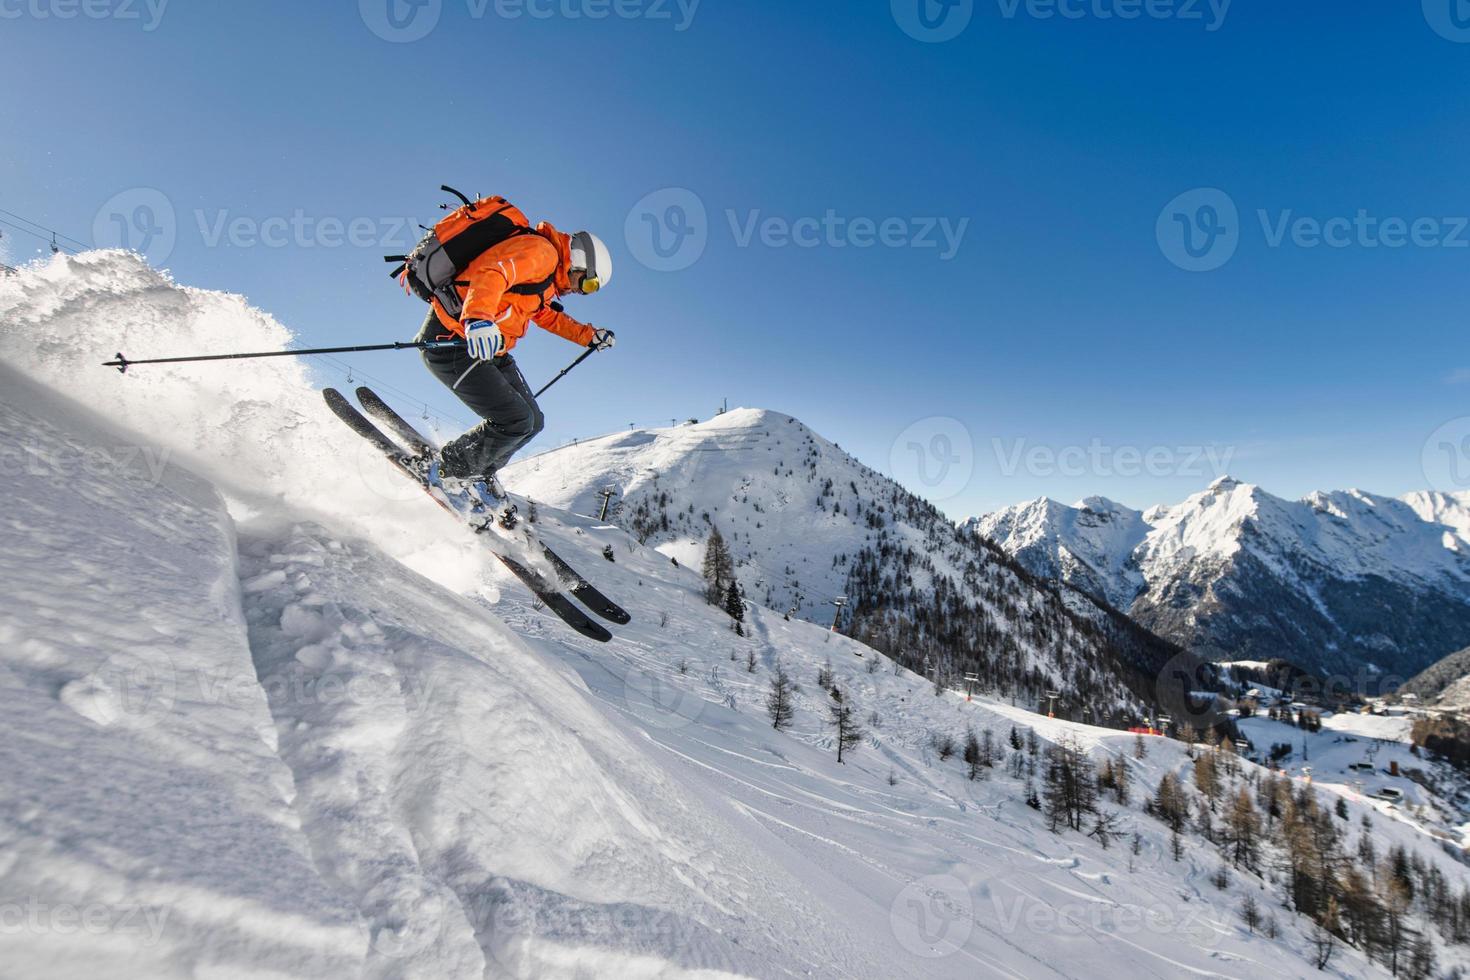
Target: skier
{"x":488,"y":299}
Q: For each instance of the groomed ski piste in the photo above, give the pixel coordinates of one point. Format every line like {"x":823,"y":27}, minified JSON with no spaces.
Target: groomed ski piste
{"x":268,"y":714}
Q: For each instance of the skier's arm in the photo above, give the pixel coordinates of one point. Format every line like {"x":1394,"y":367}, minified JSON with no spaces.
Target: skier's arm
{"x":523,"y":259}
{"x":555,"y":320}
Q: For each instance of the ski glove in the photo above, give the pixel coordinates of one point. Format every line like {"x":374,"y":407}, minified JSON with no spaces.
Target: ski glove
{"x":603,"y":340}
{"x":482,"y":339}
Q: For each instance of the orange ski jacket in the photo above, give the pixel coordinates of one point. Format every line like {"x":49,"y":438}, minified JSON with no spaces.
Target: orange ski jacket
{"x":520,"y":260}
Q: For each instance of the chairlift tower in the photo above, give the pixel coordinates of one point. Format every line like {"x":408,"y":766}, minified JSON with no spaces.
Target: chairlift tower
{"x":607,"y":494}
{"x":841,"y":603}
{"x":972,"y":681}
{"x":1051,"y":711}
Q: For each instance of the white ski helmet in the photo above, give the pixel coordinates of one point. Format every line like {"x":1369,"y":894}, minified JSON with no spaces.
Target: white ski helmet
{"x":591,"y":257}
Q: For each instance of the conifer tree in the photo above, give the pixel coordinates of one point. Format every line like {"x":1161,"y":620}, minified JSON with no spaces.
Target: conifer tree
{"x":849,"y":732}
{"x":734,"y":605}
{"x":972,"y":754}
{"x":779,"y":703}
{"x":718,"y":568}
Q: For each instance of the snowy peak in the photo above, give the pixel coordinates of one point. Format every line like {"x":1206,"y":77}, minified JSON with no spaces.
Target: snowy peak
{"x":1102,"y":506}
{"x":1088,"y":545}
{"x":807,"y":524}
{"x":1449,"y":510}
{"x":1181,"y":568}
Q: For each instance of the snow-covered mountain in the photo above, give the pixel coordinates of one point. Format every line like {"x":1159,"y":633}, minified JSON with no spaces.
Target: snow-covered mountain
{"x":1445,"y":682}
{"x":1087,"y":545}
{"x":253,"y":729}
{"x":1335,"y":582}
{"x":807,"y":523}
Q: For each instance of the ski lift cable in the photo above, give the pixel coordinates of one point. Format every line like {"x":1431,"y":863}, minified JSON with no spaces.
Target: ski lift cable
{"x":49,"y":237}
{"x":356,"y":375}
{"x":49,"y":231}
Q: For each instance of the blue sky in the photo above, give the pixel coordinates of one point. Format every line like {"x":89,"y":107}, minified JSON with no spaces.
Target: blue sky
{"x":1057,"y":342}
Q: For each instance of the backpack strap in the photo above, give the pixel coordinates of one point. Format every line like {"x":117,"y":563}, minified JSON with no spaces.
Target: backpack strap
{"x":533,"y":288}
{"x":480,"y":237}
{"x":536,"y":288}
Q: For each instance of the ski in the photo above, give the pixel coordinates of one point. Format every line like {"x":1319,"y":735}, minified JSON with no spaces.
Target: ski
{"x":544,"y":590}
{"x":584,"y":591}
{"x":378,"y":409}
{"x":587,"y":593}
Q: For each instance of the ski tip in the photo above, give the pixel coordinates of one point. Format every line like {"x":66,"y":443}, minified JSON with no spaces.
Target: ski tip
{"x":364,"y":393}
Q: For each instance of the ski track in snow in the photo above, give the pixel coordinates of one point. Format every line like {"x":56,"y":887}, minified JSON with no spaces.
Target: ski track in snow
{"x":292,"y":743}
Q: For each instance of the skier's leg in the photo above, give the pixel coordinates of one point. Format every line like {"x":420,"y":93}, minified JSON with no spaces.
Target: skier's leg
{"x":449,"y":365}
{"x":535,"y":421}
{"x":496,"y":392}
{"x":508,"y":422}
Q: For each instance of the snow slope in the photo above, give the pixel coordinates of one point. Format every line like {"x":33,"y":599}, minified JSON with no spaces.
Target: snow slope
{"x":146,"y":825}
{"x":1234,"y":571}
{"x":247,"y":740}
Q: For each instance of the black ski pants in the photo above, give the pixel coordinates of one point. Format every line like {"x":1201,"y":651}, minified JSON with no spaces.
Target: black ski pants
{"x":494,"y":390}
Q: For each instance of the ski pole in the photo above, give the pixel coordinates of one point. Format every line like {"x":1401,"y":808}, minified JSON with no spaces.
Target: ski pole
{"x":567,"y":370}
{"x":122,"y":363}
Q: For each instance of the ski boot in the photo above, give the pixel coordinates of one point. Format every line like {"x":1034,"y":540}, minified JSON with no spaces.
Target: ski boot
{"x":481,"y":496}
